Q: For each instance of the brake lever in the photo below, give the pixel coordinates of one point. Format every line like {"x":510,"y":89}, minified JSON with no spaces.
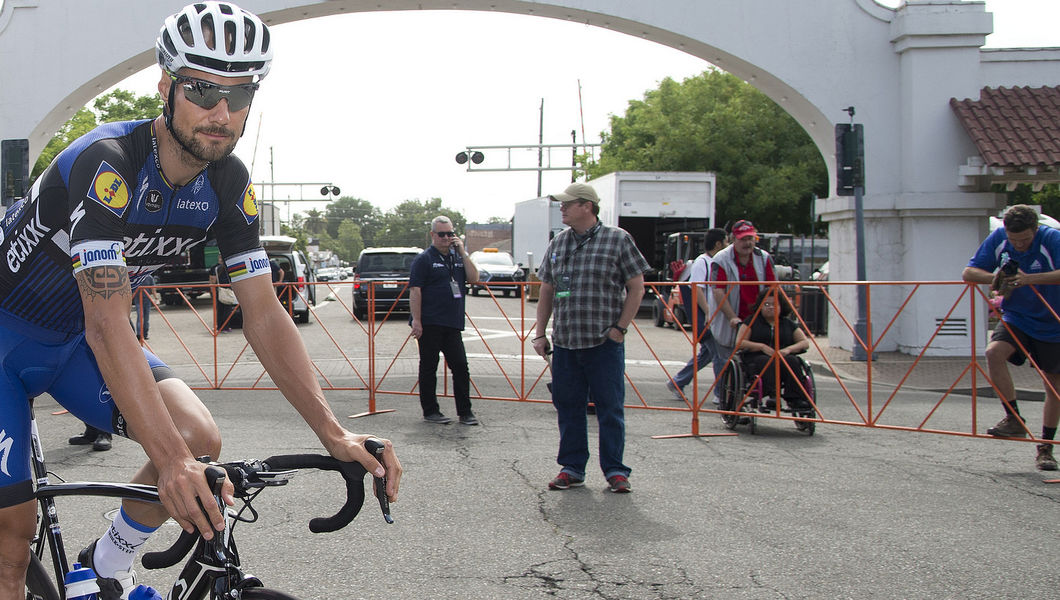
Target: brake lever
{"x":375,"y":446}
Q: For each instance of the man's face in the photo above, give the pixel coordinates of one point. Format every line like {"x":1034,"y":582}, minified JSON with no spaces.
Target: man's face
{"x":210,"y":134}
{"x":574,"y":212}
{"x":1021,"y":241}
{"x":744,"y":245}
{"x":442,"y":236}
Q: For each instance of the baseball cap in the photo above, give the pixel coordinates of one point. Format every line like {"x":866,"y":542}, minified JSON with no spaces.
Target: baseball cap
{"x":742,"y":229}
{"x":577,"y":191}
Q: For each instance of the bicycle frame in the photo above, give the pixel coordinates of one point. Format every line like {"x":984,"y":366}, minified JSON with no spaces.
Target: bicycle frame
{"x":213,"y":567}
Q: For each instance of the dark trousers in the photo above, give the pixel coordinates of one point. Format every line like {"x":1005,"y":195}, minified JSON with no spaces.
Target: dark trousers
{"x":449,"y":342}
{"x":790,"y":387}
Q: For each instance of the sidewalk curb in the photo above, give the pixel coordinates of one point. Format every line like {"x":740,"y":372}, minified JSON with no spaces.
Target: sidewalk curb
{"x":1022,"y":394}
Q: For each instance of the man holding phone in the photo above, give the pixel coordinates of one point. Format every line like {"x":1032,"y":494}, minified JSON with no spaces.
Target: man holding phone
{"x":441,"y":273}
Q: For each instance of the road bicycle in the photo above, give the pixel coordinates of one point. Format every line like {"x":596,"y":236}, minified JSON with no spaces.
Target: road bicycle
{"x":213,"y":570}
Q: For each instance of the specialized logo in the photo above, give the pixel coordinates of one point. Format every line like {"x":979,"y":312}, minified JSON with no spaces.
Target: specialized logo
{"x":24,"y":240}
{"x":153,"y":202}
{"x":104,"y":395}
{"x":5,"y":448}
{"x":109,"y":189}
{"x":249,"y":265}
{"x":249,"y":206}
{"x":97,"y":254}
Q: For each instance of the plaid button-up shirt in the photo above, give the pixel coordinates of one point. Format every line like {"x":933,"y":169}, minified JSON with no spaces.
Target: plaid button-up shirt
{"x":594,"y":268}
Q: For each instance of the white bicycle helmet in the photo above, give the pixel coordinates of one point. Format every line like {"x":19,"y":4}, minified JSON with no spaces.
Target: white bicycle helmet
{"x":190,"y":37}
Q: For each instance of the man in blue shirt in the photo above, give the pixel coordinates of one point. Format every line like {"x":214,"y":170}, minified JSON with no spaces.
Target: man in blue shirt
{"x":441,"y":274}
{"x":1024,"y":252}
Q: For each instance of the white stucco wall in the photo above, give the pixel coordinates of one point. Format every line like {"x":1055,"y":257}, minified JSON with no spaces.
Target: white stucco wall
{"x":899,"y":68}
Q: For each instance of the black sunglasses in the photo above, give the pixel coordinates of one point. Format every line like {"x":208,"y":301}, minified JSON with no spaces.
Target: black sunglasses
{"x":445,"y":233}
{"x":207,"y":94}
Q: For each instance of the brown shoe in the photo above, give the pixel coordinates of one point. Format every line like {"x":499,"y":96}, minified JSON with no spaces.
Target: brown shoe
{"x":1045,"y":461}
{"x":1010,"y":426}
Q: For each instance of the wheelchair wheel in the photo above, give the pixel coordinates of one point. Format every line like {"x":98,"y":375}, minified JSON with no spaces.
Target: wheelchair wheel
{"x":730,"y":394}
{"x":811,"y":388}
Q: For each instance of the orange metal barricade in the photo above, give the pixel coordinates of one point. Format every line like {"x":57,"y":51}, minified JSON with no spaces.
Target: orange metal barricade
{"x":378,"y":356}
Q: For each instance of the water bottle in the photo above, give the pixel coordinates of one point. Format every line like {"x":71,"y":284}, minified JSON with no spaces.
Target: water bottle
{"x":143,"y":592}
{"x":81,"y":584}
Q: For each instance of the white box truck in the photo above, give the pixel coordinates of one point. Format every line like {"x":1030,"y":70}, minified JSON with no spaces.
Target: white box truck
{"x":534,"y":224}
{"x":651,"y":205}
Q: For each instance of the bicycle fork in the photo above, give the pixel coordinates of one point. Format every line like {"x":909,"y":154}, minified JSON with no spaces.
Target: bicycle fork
{"x":214,"y":569}
{"x":48,"y":530}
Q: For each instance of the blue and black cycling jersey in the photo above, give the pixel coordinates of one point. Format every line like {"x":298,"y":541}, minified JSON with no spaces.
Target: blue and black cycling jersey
{"x":106,"y":196}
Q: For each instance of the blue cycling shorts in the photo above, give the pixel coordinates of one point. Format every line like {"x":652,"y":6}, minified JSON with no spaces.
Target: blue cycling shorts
{"x":35,"y":361}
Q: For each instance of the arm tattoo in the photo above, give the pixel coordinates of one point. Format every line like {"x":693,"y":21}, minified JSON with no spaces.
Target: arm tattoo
{"x":103,"y":282}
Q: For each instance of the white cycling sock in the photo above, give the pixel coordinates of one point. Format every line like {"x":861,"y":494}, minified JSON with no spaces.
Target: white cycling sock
{"x":116,"y":550}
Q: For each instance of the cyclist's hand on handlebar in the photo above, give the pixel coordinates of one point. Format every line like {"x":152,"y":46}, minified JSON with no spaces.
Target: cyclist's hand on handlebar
{"x":182,"y":488}
{"x":351,"y":448}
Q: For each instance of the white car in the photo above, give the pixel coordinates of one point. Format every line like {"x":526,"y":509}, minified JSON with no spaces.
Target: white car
{"x":497,"y":269}
{"x":329,"y":274}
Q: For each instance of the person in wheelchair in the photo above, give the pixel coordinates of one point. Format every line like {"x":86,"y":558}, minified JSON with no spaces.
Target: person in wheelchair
{"x":756,"y":339}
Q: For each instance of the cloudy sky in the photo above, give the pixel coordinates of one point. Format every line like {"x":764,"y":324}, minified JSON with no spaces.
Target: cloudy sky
{"x":379,"y":104}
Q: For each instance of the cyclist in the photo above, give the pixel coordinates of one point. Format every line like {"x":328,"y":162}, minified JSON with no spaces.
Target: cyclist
{"x":110,"y":209}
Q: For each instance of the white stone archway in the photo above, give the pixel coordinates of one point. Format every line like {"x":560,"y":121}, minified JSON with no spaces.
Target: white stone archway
{"x":898,"y":67}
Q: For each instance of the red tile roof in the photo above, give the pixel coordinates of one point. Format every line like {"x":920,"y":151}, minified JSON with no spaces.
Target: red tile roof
{"x":1013,"y":127}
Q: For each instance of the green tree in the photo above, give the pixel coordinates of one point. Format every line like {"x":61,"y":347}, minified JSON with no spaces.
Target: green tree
{"x":123,"y":105}
{"x":362,"y":212}
{"x":350,"y":241}
{"x":316,"y":222}
{"x":408,"y":223}
{"x":119,"y":105}
{"x":1048,"y":197}
{"x":81,"y":123}
{"x":767,"y":166}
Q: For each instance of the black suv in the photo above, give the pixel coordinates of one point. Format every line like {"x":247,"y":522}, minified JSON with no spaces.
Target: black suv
{"x":390,"y":267}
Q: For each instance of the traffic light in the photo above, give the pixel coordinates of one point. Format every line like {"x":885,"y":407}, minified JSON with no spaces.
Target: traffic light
{"x":850,"y":158}
{"x":14,"y":170}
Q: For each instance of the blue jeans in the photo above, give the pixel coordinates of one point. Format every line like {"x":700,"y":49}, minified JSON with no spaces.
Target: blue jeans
{"x":576,"y":375}
{"x":142,"y":331}
{"x":704,"y":356}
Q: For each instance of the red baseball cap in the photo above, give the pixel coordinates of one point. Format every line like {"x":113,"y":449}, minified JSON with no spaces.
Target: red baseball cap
{"x":743,"y":229}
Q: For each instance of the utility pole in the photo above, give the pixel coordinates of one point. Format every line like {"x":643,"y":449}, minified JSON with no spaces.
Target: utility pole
{"x":540,"y":140}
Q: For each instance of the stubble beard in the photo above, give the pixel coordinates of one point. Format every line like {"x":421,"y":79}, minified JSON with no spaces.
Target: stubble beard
{"x":202,"y":152}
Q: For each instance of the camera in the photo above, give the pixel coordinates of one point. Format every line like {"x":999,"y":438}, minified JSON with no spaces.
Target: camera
{"x":1010,"y":267}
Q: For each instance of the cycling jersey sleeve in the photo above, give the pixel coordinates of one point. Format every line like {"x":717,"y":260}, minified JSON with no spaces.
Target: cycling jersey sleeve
{"x":236,"y":229}
{"x":99,"y":194}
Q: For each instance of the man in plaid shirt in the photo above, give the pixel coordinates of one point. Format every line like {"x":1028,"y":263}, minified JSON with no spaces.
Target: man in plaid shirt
{"x":592,"y":276}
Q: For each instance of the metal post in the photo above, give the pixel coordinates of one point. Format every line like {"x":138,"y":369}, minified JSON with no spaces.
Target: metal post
{"x":540,"y":140}
{"x":573,"y":156}
{"x":813,"y":233}
{"x":861,"y":325}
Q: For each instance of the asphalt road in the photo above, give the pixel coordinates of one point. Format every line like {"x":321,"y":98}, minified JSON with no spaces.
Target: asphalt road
{"x":847,"y":513}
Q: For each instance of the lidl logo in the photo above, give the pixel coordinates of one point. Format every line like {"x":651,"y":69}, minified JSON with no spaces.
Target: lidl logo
{"x":250,"y":204}
{"x":109,"y":189}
